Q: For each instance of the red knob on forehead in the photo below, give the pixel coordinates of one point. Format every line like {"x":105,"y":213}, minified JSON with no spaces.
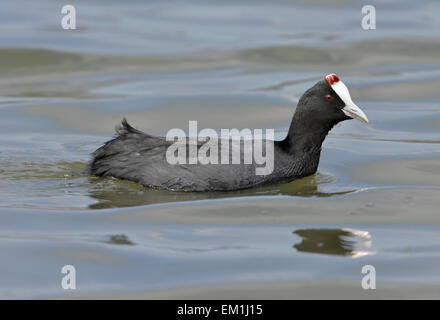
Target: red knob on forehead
{"x":331,"y":78}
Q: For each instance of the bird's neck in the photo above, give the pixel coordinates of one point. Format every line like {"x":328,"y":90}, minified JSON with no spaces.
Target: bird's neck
{"x":305,"y":137}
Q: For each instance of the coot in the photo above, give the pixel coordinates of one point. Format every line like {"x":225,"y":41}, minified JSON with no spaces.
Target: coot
{"x":140,"y":157}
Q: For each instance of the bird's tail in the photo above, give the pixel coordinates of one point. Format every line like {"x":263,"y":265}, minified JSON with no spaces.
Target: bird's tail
{"x":124,"y":128}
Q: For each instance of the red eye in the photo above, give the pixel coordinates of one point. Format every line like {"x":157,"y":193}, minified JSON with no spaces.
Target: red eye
{"x":328,"y":97}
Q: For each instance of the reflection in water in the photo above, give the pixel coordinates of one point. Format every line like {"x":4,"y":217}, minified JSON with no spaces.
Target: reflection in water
{"x":115,"y":193}
{"x":119,"y":239}
{"x":37,"y":181}
{"x":345,"y":242}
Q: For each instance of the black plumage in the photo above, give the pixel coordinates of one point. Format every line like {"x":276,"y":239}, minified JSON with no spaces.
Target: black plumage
{"x":140,"y":157}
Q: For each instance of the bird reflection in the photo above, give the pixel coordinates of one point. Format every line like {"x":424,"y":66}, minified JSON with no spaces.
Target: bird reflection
{"x":343,"y":242}
{"x":113,"y":193}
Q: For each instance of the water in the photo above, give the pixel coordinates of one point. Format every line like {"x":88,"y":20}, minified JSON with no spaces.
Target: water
{"x":227,"y":64}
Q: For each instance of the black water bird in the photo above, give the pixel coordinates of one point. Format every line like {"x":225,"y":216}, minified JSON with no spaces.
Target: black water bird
{"x":140,"y":157}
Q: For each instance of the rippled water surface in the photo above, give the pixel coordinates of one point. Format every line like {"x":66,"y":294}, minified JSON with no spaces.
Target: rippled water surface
{"x":228,"y":64}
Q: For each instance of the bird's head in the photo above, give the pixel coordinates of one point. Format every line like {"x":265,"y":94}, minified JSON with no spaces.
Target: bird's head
{"x":327,"y":103}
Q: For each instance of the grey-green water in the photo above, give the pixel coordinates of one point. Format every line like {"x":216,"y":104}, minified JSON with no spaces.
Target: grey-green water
{"x":241,"y":64}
